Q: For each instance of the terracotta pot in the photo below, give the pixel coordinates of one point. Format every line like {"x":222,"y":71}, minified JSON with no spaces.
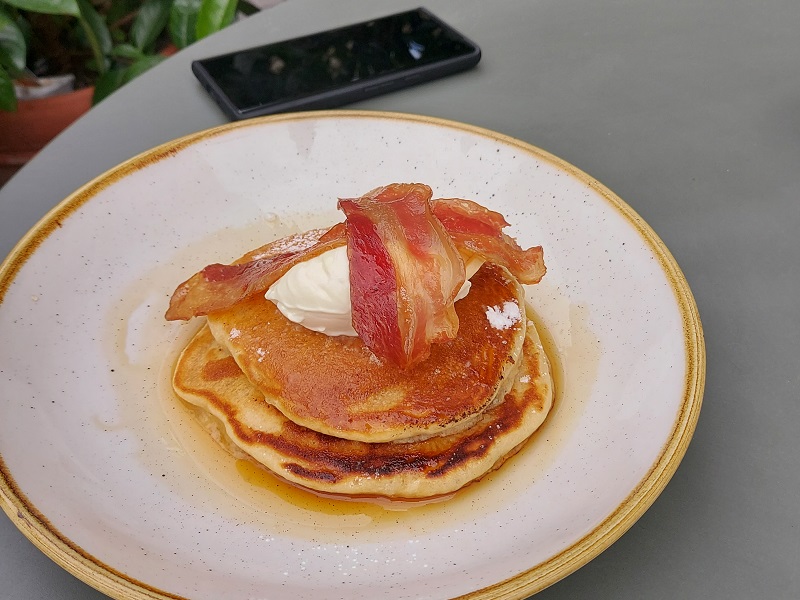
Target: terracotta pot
{"x":24,"y":132}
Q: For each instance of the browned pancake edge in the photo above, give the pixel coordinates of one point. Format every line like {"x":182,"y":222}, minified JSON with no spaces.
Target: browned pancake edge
{"x":207,"y":376}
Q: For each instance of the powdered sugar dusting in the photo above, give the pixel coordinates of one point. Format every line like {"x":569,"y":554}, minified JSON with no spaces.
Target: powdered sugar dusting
{"x":235,"y":333}
{"x":505,"y":316}
{"x":293,"y":243}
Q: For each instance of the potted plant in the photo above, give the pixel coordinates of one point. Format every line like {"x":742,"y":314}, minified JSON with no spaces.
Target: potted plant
{"x":91,"y":46}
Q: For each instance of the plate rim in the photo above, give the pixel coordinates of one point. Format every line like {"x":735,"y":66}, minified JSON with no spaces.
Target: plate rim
{"x":105,"y":578}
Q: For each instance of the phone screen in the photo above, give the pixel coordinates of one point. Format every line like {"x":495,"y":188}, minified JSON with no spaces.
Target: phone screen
{"x":337,"y":66}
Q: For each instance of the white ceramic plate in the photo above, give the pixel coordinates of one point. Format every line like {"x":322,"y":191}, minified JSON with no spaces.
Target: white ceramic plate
{"x":102,"y":469}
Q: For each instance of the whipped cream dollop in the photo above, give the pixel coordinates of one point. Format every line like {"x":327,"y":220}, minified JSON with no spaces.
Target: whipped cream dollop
{"x":316,"y":292}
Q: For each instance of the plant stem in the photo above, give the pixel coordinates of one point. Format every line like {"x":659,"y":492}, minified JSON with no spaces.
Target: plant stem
{"x":94,"y":44}
{"x":123,"y":21}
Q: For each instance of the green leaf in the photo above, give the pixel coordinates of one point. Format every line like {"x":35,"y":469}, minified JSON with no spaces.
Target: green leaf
{"x":150,"y":22}
{"x":140,"y":66}
{"x":127,"y":51}
{"x":214,"y":15}
{"x":8,"y":99}
{"x":183,"y":22}
{"x":108,"y":82}
{"x":51,"y":7}
{"x":116,"y":77}
{"x":97,"y":34}
{"x":13,"y":48}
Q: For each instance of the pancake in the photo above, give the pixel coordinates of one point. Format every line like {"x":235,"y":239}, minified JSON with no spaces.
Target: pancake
{"x":208,"y":377}
{"x":334,"y":385}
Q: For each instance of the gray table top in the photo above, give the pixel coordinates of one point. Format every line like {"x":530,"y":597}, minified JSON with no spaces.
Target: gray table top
{"x":688,"y":110}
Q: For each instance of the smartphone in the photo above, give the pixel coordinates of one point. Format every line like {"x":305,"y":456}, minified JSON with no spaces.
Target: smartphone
{"x":336,"y":67}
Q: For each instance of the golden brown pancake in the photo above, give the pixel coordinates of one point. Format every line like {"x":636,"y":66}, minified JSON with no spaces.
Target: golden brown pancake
{"x":207,"y":376}
{"x":336,"y":386}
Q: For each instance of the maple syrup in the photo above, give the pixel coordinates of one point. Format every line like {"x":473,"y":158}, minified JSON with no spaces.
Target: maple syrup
{"x":146,"y":347}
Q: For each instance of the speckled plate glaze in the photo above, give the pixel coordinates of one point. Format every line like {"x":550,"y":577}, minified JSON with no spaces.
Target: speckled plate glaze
{"x":104,"y":470}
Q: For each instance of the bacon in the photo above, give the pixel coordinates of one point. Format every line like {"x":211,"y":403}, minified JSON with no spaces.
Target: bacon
{"x":218,"y":286}
{"x":406,"y":267}
{"x":405,"y":273}
{"x":476,"y":229}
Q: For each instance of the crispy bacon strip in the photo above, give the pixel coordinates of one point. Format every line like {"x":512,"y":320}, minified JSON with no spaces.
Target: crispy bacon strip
{"x":405,"y":267}
{"x":477,"y":229}
{"x":218,"y":286}
{"x":405,"y":273}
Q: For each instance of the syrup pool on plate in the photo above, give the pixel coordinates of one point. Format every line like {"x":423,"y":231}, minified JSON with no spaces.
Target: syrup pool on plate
{"x":146,"y":348}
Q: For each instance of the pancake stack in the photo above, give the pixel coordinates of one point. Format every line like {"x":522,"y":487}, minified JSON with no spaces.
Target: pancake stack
{"x":325,"y":413}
